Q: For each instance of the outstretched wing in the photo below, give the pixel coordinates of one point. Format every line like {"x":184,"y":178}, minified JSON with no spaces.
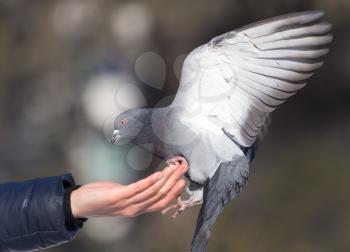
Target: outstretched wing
{"x":227,"y":182}
{"x":238,"y":78}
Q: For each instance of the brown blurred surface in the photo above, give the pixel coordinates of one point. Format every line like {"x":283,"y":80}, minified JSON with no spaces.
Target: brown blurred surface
{"x":53,"y":52}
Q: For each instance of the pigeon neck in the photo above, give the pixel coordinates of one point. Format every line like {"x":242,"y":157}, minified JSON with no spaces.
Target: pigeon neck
{"x":153,"y":131}
{"x":146,"y":135}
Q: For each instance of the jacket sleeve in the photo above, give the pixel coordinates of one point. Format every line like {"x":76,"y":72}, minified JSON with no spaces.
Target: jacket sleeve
{"x":32,"y":215}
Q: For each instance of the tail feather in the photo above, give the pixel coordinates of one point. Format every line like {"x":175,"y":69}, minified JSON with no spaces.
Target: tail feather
{"x":227,"y":182}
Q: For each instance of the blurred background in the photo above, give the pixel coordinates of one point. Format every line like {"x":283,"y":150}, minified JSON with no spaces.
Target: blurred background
{"x":67,"y":67}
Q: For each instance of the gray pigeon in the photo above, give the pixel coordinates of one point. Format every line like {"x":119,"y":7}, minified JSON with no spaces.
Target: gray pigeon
{"x":228,"y":88}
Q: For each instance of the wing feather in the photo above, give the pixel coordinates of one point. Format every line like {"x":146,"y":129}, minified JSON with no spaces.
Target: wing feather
{"x":249,"y":72}
{"x":279,"y":23}
{"x":285,"y":64}
{"x":297,"y":42}
{"x":289,"y":75}
{"x":316,"y":29}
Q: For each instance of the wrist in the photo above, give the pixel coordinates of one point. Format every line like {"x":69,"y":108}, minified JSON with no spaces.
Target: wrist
{"x":73,"y":217}
{"x":75,"y":210}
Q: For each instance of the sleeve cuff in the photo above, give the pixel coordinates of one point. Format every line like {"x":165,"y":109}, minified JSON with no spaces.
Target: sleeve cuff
{"x":71,"y":222}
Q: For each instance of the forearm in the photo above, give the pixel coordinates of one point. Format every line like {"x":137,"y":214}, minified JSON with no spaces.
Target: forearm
{"x":32,"y":215}
{"x":45,"y":212}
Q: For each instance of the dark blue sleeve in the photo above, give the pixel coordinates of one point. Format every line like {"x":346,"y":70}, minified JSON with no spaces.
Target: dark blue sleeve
{"x":32,"y":215}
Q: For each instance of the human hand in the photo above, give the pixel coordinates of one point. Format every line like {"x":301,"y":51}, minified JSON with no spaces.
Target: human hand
{"x":153,"y":193}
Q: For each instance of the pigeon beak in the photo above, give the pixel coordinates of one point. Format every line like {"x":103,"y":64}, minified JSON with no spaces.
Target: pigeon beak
{"x":115,"y":136}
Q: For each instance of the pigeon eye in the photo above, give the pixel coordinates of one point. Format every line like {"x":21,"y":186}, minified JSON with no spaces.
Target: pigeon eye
{"x":123,"y":122}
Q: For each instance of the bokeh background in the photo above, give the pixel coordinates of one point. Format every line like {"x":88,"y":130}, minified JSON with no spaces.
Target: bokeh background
{"x":68,"y":66}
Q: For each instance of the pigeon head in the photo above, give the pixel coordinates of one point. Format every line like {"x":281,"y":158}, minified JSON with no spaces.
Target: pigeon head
{"x":128,"y":125}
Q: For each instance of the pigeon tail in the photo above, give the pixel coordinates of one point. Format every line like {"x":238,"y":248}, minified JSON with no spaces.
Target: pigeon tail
{"x":227,"y":182}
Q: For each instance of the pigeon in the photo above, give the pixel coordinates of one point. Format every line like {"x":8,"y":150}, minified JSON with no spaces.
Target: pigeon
{"x":228,"y":88}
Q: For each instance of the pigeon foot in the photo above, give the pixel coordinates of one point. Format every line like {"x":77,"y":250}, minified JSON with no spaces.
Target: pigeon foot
{"x":181,"y":206}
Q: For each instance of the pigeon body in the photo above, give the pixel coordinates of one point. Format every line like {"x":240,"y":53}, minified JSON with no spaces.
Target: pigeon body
{"x":228,"y":88}
{"x":165,"y":133}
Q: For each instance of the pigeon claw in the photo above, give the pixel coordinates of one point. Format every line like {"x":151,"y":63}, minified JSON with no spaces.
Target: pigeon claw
{"x":180,"y":206}
{"x":177,"y":159}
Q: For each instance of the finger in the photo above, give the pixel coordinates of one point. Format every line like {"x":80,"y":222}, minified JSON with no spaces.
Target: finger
{"x":130,"y":206}
{"x":160,"y":190}
{"x":108,"y":184}
{"x":171,"y":182}
{"x":142,"y":185}
{"x":165,"y":202}
{"x":152,"y":190}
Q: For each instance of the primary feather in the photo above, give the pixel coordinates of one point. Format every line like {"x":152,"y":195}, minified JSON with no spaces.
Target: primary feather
{"x":243,"y":75}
